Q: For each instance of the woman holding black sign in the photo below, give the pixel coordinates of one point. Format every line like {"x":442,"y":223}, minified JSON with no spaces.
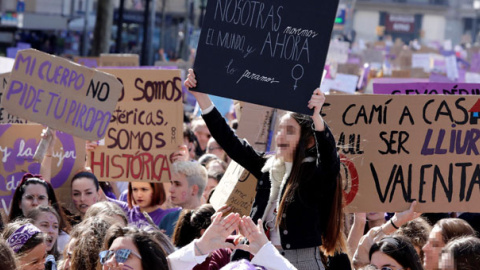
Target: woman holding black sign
{"x":299,"y":194}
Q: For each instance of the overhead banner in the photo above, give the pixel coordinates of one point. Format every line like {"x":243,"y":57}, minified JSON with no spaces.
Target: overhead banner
{"x":63,"y":95}
{"x":396,"y":149}
{"x":17,"y":147}
{"x":146,"y":127}
{"x":264,"y":52}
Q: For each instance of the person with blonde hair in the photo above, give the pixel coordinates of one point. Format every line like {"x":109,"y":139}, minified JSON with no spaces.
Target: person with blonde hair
{"x":109,"y":209}
{"x":7,"y":258}
{"x":187,"y":185}
{"x":89,"y":242}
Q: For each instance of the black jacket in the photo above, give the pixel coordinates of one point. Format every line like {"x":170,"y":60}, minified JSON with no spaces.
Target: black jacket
{"x":306,"y":216}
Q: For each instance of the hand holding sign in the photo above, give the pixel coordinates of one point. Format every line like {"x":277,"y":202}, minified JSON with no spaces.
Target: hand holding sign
{"x":401,"y":218}
{"x":316,"y":103}
{"x":180,"y":155}
{"x":202,"y":99}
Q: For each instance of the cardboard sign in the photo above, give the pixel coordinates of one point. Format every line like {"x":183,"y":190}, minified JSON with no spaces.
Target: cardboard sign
{"x":472,"y":77}
{"x":373,"y":56}
{"x":119,"y":60}
{"x":265,"y":52}
{"x":257,"y":125}
{"x":404,"y":59}
{"x":5,"y":117}
{"x":452,"y":67}
{"x":403,"y":73}
{"x":146,"y":127}
{"x":61,"y":94}
{"x":236,"y":189}
{"x":91,"y":62}
{"x":343,"y":82}
{"x":475,"y":62}
{"x":338,"y":52}
{"x":427,"y":88}
{"x":422,"y":60}
{"x":17,"y":147}
{"x":349,"y":68}
{"x":6,"y":64}
{"x":396,"y":149}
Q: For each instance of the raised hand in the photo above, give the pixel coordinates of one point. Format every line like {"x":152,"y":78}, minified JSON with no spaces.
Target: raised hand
{"x":202,"y":98}
{"x":215,"y":235}
{"x":190,"y":82}
{"x":180,"y":155}
{"x":316,"y":103}
{"x":254,"y":233}
{"x":401,"y":218}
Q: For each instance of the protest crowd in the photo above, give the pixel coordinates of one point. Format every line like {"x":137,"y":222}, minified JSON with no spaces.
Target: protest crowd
{"x":296,"y":213}
{"x":144,"y":225}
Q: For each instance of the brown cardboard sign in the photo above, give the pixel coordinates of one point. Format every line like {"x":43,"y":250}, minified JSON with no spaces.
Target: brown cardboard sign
{"x":373,"y":55}
{"x":404,"y":59}
{"x":17,"y":147}
{"x":257,"y":125}
{"x":236,"y":189}
{"x":5,"y":117}
{"x":119,"y":60}
{"x":91,"y":62}
{"x":402,"y":73}
{"x":63,"y":95}
{"x":146,"y":127}
{"x":396,"y":149}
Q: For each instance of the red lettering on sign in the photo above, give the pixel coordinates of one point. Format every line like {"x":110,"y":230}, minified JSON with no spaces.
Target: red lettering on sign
{"x":351,"y":179}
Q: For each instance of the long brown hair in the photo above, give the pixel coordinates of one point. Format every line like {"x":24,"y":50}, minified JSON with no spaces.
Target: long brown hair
{"x":333,"y":239}
{"x":293,"y":181}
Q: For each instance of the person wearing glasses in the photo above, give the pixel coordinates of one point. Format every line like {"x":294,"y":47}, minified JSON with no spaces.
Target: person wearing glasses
{"x":394,"y":253}
{"x":214,"y":148}
{"x":33,"y":191}
{"x":131,"y":248}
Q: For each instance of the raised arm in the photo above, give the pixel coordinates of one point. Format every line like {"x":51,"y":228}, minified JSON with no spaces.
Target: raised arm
{"x":203,"y":99}
{"x":237,"y":149}
{"x":46,"y":164}
{"x":324,"y":139}
{"x":316,"y":103}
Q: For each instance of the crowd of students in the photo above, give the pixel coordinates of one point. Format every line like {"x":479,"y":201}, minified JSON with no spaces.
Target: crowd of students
{"x":296,"y":221}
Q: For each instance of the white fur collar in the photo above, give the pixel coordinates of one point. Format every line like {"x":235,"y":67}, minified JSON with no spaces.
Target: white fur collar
{"x":278,"y":175}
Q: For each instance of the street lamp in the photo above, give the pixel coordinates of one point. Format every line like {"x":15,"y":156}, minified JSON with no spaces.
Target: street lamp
{"x":203,"y":6}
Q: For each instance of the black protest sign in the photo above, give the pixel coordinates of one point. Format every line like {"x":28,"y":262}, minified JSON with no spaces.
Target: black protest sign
{"x":265,"y":52}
